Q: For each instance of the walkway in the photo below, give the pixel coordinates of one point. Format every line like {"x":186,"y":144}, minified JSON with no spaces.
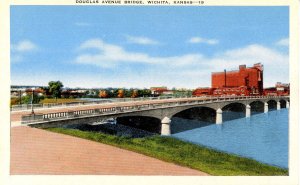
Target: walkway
{"x":36,"y":151}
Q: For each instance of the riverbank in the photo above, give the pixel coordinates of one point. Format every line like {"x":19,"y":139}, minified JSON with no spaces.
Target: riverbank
{"x":182,"y":153}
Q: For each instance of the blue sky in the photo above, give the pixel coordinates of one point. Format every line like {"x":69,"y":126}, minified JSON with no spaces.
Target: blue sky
{"x":118,"y":46}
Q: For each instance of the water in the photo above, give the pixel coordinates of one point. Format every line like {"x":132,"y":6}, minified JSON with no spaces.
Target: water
{"x":262,"y":137}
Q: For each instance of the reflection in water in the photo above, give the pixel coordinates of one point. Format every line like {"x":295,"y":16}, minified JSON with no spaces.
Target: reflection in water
{"x":228,"y":115}
{"x":182,"y":124}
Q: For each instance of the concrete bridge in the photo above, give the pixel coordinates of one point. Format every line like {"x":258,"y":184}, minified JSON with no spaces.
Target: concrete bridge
{"x":163,"y":110}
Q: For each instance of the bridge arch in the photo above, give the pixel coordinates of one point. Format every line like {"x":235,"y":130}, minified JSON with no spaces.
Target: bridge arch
{"x":203,"y":113}
{"x":146,"y":123}
{"x":192,"y":117}
{"x":283,"y":103}
{"x":272,"y":104}
{"x":257,"y":106}
{"x":234,"y":106}
{"x":233,"y":110}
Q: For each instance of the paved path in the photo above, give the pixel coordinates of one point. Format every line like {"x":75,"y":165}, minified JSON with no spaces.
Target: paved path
{"x":36,"y":151}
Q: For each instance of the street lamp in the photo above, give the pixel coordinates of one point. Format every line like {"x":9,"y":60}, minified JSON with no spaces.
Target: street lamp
{"x":20,"y":97}
{"x":32,"y":111}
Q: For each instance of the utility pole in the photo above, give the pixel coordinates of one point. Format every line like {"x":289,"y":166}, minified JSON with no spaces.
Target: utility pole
{"x":32,"y":111}
{"x":225,"y":77}
{"x":20,"y":97}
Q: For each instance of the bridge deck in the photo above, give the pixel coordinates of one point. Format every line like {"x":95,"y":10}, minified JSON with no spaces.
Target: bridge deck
{"x":127,"y":106}
{"x":16,"y":115}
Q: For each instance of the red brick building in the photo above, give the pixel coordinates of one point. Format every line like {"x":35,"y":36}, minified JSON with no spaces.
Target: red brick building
{"x":203,"y":91}
{"x":250,"y":79}
{"x":280,"y":89}
{"x":230,"y":91}
{"x":158,"y":90}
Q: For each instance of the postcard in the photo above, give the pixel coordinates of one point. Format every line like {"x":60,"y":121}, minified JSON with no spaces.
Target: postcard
{"x":150,"y":92}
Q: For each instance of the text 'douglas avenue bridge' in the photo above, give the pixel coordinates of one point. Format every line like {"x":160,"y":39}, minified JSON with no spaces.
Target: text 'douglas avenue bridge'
{"x":163,"y":109}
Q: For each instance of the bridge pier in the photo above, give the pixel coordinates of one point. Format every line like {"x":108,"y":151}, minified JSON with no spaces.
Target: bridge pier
{"x":278,"y":105}
{"x":266,"y":109}
{"x":219,"y":116}
{"x":287,"y":104}
{"x":248,"y":111}
{"x":166,"y":126}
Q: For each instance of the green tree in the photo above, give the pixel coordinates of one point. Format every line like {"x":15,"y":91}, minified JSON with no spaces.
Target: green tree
{"x":36,"y":99}
{"x":55,"y":88}
{"x":114,"y":93}
{"x":144,"y":92}
{"x":134,"y":93}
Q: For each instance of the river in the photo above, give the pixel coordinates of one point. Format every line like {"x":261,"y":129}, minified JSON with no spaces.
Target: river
{"x":262,"y":137}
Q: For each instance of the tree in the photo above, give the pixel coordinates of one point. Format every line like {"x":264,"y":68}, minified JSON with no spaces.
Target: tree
{"x":120,"y":93}
{"x":103,"y":94}
{"x":128,"y":92}
{"x":134,"y":93}
{"x":55,"y":88}
{"x":36,"y":99}
{"x":144,"y":92}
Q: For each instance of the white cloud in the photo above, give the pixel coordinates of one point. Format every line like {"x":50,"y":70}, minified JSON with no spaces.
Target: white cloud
{"x":251,"y":54}
{"x":192,"y":70}
{"x":110,"y":55}
{"x":24,"y":46}
{"x":141,"y":40}
{"x":283,"y":42}
{"x":198,"y":40}
{"x":20,"y":49}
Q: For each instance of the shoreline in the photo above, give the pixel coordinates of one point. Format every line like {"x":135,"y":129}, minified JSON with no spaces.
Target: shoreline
{"x":190,"y":155}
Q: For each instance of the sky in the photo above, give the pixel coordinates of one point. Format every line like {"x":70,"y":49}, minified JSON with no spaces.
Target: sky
{"x":142,"y":47}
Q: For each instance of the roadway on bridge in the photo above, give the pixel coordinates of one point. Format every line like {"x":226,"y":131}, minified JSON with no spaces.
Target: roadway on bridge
{"x":16,"y":115}
{"x":36,"y":151}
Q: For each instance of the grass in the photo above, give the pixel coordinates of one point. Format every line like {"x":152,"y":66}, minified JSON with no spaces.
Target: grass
{"x":14,"y":101}
{"x":182,"y":153}
{"x":60,"y":100}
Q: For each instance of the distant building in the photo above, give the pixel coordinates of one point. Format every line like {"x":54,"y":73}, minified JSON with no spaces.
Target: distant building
{"x":270,"y":91}
{"x":17,"y":91}
{"x":168,"y":92}
{"x":181,"y":89}
{"x":75,"y":93}
{"x":158,"y":90}
{"x":250,"y":78}
{"x":204,"y":91}
{"x":246,"y":81}
{"x":282,"y":86}
{"x":232,"y":91}
{"x":280,"y":89}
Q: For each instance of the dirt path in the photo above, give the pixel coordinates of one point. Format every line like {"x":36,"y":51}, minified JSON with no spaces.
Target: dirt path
{"x":35,"y":151}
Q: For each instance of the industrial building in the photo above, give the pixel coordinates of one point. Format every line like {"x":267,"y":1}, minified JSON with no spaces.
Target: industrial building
{"x":249,"y":80}
{"x":246,"y":81}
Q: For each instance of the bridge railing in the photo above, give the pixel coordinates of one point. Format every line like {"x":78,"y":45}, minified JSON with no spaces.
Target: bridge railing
{"x":54,"y":105}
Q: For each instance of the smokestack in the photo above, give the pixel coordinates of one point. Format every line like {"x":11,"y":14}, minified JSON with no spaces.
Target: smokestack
{"x":225,"y":77}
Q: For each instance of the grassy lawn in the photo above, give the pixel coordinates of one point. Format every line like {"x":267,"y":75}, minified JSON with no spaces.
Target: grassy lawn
{"x":60,"y":100}
{"x":182,"y":153}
